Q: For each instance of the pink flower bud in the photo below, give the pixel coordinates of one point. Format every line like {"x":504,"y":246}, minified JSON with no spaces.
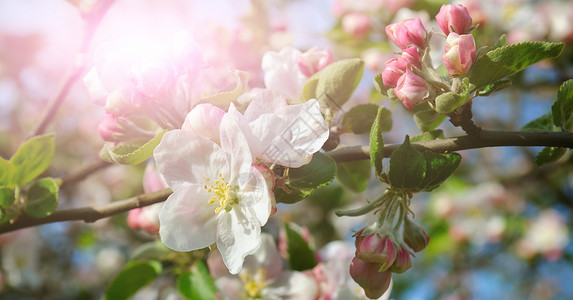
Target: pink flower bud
{"x":412,"y":57}
{"x":366,"y":274}
{"x":454,"y":18}
{"x":415,"y":236}
{"x":402,"y":262}
{"x":356,"y":24}
{"x":396,"y":67}
{"x":314,"y":60}
{"x":377,"y":249}
{"x":460,"y":53}
{"x":411,"y":89}
{"x":407,"y":33}
{"x":109,"y":129}
{"x":153,"y":181}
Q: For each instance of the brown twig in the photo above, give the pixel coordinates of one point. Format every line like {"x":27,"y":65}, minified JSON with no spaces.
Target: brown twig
{"x":88,"y":214}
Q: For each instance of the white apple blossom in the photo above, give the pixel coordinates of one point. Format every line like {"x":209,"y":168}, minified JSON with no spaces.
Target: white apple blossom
{"x":218,"y":195}
{"x":262,"y":277}
{"x":283,"y":74}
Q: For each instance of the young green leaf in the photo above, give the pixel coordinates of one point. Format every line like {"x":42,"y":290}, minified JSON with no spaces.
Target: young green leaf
{"x":337,"y":81}
{"x":32,"y":159}
{"x":428,"y":136}
{"x":129,"y":154}
{"x":382,"y":122}
{"x":301,"y":182}
{"x":439,"y":167}
{"x":379,"y":85}
{"x":549,"y":154}
{"x":198,"y":283}
{"x":354,"y":174}
{"x":563,"y":107}
{"x":300,"y":256}
{"x":360,"y":118}
{"x":223,"y":98}
{"x":7,"y":196}
{"x":6,"y":172}
{"x":499,"y":43}
{"x":428,"y":120}
{"x":132,"y":278}
{"x":152,"y":250}
{"x":494,"y":87}
{"x":447,"y":102}
{"x":507,"y":60}
{"x":407,"y":167}
{"x":41,"y":198}
{"x":543,"y":123}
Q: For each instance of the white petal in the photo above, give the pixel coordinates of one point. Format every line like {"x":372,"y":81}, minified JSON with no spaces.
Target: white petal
{"x":265,"y":258}
{"x":187,"y":222}
{"x":265,"y":102}
{"x":231,"y":288}
{"x":237,"y":237}
{"x":234,"y":143}
{"x":255,"y":197}
{"x":204,"y":120}
{"x":290,"y":136}
{"x":186,"y":157}
{"x":293,"y":285}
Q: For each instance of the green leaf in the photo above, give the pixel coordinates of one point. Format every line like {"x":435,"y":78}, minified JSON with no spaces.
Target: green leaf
{"x":360,"y":118}
{"x":543,"y":123}
{"x":41,"y":198}
{"x":407,"y":167}
{"x":439,"y":167}
{"x":309,"y":89}
{"x":337,"y":81}
{"x":354,"y":174}
{"x":494,"y":87}
{"x":133,"y":277}
{"x":152,"y":250}
{"x":7,"y":196}
{"x":300,"y":256}
{"x":6,"y":172}
{"x":198,"y":283}
{"x":318,"y":173}
{"x":428,"y":120}
{"x":499,"y":43}
{"x":377,"y":140}
{"x":563,"y":107}
{"x":301,"y":182}
{"x":32,"y":159}
{"x":379,"y":85}
{"x":549,"y":154}
{"x":447,"y":102}
{"x":428,"y":136}
{"x":507,"y":60}
{"x":129,"y":154}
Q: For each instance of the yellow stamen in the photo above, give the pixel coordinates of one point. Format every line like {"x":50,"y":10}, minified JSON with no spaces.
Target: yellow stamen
{"x":254,"y":283}
{"x":222,"y":194}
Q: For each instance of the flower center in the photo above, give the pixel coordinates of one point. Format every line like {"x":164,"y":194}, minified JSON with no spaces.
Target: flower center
{"x":222,"y":193}
{"x":254,"y":283}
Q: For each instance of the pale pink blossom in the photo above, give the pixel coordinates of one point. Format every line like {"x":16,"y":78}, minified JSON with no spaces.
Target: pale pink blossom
{"x":356,"y":24}
{"x":282,"y":73}
{"x":454,"y":18}
{"x":407,"y":33}
{"x":262,"y":277}
{"x":411,"y":89}
{"x":460,"y":53}
{"x":147,"y":218}
{"x":218,"y":196}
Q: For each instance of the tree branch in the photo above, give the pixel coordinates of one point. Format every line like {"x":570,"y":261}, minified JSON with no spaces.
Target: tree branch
{"x":485,"y":138}
{"x":88,"y":214}
{"x":91,"y":22}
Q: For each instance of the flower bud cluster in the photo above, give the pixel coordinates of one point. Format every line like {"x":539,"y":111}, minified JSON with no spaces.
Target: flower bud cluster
{"x":411,"y":76}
